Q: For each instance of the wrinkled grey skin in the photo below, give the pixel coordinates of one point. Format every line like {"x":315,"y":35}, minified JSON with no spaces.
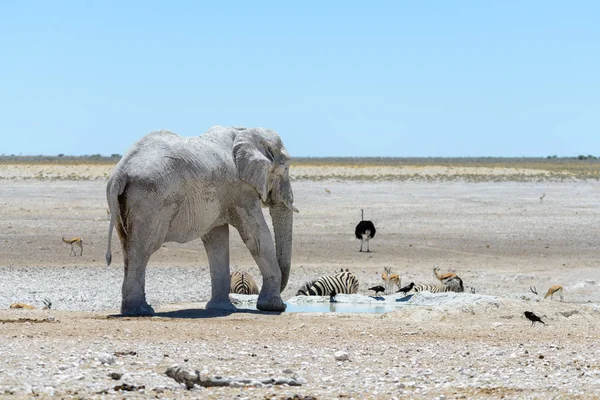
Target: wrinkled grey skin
{"x":169,"y":188}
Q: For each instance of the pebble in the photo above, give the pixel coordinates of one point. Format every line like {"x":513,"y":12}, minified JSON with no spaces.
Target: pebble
{"x":341,"y":356}
{"x":105,"y":358}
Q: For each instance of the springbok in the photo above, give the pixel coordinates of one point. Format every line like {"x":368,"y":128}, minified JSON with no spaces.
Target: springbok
{"x":555,"y":289}
{"x":443,"y":278}
{"x":23,"y":306}
{"x":388,"y":278}
{"x":74,"y":242}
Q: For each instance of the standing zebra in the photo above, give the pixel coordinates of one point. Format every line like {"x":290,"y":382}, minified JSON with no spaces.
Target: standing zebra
{"x":365,"y":230}
{"x":344,"y":282}
{"x":242,"y":283}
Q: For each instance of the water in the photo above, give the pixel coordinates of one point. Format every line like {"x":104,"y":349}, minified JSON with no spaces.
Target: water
{"x":341,"y":308}
{"x":375,"y":308}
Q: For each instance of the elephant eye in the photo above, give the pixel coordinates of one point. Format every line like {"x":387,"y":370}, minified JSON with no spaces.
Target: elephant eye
{"x":270,"y":154}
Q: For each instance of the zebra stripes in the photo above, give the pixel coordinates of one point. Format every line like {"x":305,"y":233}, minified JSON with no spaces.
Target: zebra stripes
{"x":242,"y":283}
{"x":452,"y":285}
{"x":344,"y":282}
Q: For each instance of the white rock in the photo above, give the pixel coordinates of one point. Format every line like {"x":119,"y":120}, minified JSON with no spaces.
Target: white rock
{"x":523,"y":277}
{"x":105,"y":358}
{"x":341,"y":356}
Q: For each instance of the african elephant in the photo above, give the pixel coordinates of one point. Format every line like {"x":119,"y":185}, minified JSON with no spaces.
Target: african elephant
{"x":169,"y":188}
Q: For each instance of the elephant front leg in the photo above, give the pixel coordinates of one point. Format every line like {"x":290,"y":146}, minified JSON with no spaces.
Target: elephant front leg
{"x":216,"y":243}
{"x":257,"y":237}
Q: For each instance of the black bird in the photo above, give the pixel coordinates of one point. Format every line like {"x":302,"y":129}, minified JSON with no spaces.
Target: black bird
{"x":406,"y":288}
{"x":378,"y":289}
{"x":533,"y":318}
{"x":365,"y":230}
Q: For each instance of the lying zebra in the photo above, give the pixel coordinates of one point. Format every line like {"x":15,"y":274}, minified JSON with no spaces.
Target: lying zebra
{"x":242,"y":283}
{"x":451,"y":285}
{"x":344,"y":282}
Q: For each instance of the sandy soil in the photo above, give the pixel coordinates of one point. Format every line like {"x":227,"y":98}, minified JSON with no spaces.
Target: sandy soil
{"x":498,"y":236}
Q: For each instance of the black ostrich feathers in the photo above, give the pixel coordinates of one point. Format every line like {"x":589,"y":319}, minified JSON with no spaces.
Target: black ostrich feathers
{"x":365,"y":228}
{"x":365,"y":231}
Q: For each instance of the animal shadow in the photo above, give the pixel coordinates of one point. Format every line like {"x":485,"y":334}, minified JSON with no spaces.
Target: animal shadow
{"x":200,"y":313}
{"x":405,"y":298}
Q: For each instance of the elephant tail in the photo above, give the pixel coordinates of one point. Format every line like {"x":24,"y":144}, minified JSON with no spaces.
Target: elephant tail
{"x":116,"y":186}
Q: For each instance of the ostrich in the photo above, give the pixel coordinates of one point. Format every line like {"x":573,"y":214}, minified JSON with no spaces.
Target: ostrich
{"x":365,"y":230}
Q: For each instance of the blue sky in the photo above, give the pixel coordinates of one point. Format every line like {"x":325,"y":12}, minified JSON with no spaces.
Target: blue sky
{"x":335,"y":78}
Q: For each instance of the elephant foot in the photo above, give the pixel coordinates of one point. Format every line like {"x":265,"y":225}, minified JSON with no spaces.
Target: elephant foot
{"x":273,"y":304}
{"x":220,"y":305}
{"x":137,"y":310}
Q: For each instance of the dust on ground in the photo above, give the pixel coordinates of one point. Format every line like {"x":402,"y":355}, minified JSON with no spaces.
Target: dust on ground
{"x":499,"y":236}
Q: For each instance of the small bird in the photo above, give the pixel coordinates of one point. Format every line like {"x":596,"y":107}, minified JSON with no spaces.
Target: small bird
{"x":533,"y":318}
{"x":378,"y":289}
{"x":332,"y":297}
{"x":365,"y":231}
{"x":406,"y":288}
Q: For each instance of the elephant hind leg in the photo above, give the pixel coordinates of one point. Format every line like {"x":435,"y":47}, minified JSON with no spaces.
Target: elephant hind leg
{"x":216,"y":243}
{"x":133,"y":301}
{"x":137,"y":249}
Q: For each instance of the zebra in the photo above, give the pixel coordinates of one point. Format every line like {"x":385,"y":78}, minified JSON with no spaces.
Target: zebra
{"x":453,"y":285}
{"x":344,"y":282}
{"x":242,"y":283}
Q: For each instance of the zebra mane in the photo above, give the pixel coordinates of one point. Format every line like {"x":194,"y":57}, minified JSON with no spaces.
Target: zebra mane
{"x":303,"y":291}
{"x":456,"y":282}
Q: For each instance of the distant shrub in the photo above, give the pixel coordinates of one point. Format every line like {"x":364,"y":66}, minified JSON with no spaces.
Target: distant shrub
{"x":61,"y":155}
{"x":115,"y":155}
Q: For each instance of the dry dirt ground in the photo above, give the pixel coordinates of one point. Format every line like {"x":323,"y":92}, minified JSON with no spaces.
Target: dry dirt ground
{"x":495,"y":233}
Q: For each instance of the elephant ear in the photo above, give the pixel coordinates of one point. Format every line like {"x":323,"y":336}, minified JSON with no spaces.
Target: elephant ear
{"x":262,"y":162}
{"x":253,"y":166}
{"x":280,"y":187}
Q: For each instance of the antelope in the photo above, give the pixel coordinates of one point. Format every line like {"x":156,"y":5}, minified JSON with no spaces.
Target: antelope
{"x":533,"y":290}
{"x":555,"y":289}
{"x":328,"y":192}
{"x":23,"y":306}
{"x":77,"y":242}
{"x":389,"y":278}
{"x":443,"y":277}
{"x":47,"y":304}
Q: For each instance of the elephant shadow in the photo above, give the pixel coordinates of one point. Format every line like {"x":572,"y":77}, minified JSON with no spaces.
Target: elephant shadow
{"x":200,"y":313}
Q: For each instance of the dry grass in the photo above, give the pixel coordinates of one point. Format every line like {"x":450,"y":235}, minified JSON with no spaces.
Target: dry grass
{"x":562,"y":165}
{"x":339,"y":169}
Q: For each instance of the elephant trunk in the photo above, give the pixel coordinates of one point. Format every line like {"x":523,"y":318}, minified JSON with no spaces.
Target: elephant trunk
{"x":283,"y":219}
